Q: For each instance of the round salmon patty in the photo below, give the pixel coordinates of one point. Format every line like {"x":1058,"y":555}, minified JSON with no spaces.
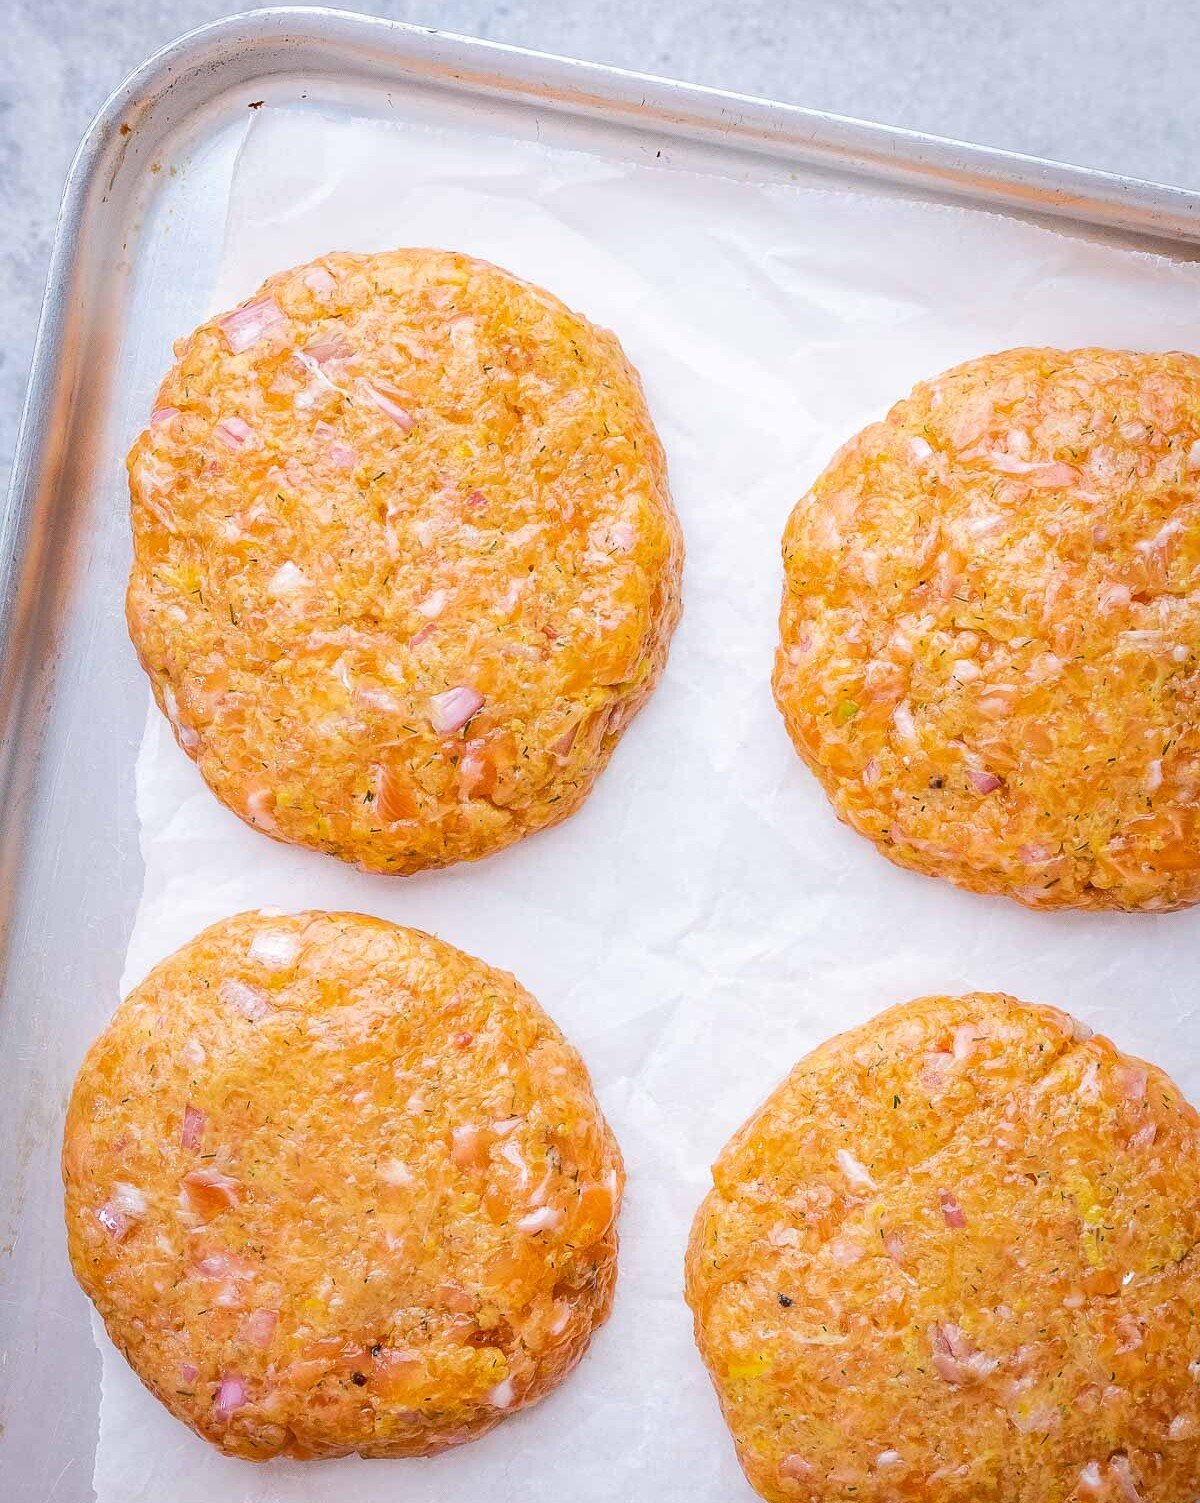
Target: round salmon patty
{"x":405,"y":561}
{"x":953,"y":1258}
{"x":335,"y":1186}
{"x":990,"y":634}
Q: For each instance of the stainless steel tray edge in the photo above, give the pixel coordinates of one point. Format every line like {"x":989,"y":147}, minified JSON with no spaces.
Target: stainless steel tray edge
{"x":68,"y":880}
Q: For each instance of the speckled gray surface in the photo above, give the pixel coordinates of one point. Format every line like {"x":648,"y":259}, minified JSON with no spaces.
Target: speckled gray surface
{"x":1108,"y":83}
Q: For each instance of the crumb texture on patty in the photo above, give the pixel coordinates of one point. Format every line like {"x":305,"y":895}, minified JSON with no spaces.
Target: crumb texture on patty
{"x":953,"y":1258}
{"x":405,"y":560}
{"x":990,"y":633}
{"x":335,"y":1186}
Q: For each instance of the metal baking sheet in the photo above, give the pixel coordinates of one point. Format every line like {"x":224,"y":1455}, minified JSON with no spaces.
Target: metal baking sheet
{"x":134,"y":264}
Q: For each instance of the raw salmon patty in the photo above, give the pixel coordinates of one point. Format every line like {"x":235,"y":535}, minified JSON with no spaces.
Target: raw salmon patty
{"x":990,"y":635}
{"x":405,"y":562}
{"x":335,"y":1186}
{"x":953,"y":1258}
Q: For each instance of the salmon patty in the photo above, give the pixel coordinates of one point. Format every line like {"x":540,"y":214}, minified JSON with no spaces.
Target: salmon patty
{"x":335,"y":1186}
{"x":953,"y":1258}
{"x":990,"y":635}
{"x":405,"y":561}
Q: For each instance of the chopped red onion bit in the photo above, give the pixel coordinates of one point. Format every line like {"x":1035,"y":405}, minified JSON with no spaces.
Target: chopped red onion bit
{"x":230,"y":1395}
{"x":544,"y":1219}
{"x":952,"y":1212}
{"x":114,"y":1221}
{"x":235,"y":432}
{"x":246,"y":326}
{"x":193,"y":1128}
{"x":259,"y":1328}
{"x":503,"y":1395}
{"x":856,"y":1173}
{"x":387,"y":405}
{"x":450,"y":711}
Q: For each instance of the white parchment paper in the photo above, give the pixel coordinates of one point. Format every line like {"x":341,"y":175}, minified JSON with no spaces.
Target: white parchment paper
{"x":704,"y":920}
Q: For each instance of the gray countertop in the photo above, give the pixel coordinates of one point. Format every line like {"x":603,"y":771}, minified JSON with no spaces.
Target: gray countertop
{"x":1106,"y":83}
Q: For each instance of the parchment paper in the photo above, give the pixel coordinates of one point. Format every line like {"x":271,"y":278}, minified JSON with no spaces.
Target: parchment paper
{"x":704,"y":920}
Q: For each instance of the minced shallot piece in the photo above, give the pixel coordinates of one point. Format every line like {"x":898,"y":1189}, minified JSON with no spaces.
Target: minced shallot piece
{"x":1145,"y":1136}
{"x":260,"y":1327}
{"x":319,"y":279}
{"x":888,"y":1458}
{"x":275,"y":949}
{"x":1123,"y":1472}
{"x":983,"y":782}
{"x":332,"y":346}
{"x":234,"y":432}
{"x":433,"y":604}
{"x":503,"y":1396}
{"x":544,"y":1219}
{"x":162,"y":415}
{"x":123,"y":1207}
{"x":223,"y":1265}
{"x":128,"y":1198}
{"x":230,"y":1395}
{"x":512,"y":1154}
{"x":250,"y":1001}
{"x":795,"y":1466}
{"x":114,"y":1222}
{"x":845,"y":1252}
{"x":983,"y":523}
{"x":188,"y":738}
{"x":1050,"y":473}
{"x":893,"y":1246}
{"x":902,"y":719}
{"x":286,"y":581}
{"x":189,"y":1372}
{"x":952,"y":1212}
{"x":387,"y":405}
{"x":451,"y":710}
{"x":935,"y":1069}
{"x":193,"y":1128}
{"x":955,"y":1358}
{"x":246,"y":326}
{"x":856,"y":1172}
{"x":622,"y":535}
{"x":393,"y":1172}
{"x":342,"y":456}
